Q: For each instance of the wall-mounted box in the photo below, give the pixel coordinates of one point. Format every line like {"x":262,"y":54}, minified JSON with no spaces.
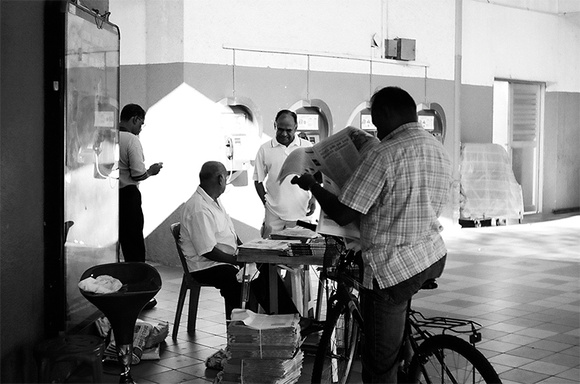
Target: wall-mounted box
{"x":400,"y":49}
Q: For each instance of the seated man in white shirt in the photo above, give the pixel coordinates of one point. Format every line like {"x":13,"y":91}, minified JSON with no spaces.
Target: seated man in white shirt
{"x":209,"y":242}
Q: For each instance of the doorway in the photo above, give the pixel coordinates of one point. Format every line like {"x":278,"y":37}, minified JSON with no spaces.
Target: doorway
{"x":517,"y":126}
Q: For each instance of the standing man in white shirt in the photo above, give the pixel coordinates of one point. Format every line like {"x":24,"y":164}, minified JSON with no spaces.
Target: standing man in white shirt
{"x":131,"y":172}
{"x":284,"y":203}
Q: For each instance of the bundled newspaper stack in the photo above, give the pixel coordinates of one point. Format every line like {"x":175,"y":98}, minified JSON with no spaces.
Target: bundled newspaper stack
{"x":266,"y":247}
{"x":310,"y":243}
{"x":278,"y":371}
{"x":146,"y":340}
{"x":314,"y":247}
{"x":263,"y":348}
{"x":294,"y":233}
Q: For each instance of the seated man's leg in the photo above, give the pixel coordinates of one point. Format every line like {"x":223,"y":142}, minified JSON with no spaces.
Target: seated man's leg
{"x":223,"y":277}
{"x":260,"y":287}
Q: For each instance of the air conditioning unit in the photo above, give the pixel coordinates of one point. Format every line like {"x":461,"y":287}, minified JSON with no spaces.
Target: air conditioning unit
{"x":400,"y":49}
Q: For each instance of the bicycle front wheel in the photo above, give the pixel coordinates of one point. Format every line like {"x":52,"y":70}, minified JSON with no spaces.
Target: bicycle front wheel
{"x":337,"y":347}
{"x":449,"y":359}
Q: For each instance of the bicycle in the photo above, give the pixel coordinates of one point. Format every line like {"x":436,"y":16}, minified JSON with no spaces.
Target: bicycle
{"x":425,"y":357}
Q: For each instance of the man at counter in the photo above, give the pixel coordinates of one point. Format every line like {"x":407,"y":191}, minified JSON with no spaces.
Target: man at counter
{"x":398,"y":191}
{"x":284,"y":204}
{"x":209,"y":242}
{"x":132,"y":171}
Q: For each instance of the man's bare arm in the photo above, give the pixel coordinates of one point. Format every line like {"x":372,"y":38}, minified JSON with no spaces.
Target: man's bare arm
{"x":222,"y":257}
{"x":260,"y":190}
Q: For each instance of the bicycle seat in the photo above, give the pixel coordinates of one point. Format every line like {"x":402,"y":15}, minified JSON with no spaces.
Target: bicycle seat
{"x":429,"y":284}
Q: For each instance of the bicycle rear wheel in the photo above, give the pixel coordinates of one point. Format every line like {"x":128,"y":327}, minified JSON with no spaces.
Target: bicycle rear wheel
{"x":449,"y":359}
{"x":337,"y":347}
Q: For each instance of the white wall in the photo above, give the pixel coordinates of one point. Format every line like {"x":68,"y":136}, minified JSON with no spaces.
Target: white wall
{"x":130,"y":16}
{"x":498,"y":41}
{"x":165,"y":31}
{"x":332,"y":27}
{"x":510,"y":43}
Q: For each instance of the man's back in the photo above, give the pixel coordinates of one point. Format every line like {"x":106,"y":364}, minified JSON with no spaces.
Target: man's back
{"x":401,"y":187}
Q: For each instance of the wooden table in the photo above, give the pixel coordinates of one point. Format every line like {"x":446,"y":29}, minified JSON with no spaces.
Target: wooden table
{"x":273,"y":261}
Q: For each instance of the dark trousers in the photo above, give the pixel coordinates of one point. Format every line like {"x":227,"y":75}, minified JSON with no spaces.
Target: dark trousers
{"x":223,"y":277}
{"x":384,"y":312}
{"x":131,"y":224}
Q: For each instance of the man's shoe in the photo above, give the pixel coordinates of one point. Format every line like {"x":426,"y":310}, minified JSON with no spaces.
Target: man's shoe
{"x":309,"y":326}
{"x":150,"y":304}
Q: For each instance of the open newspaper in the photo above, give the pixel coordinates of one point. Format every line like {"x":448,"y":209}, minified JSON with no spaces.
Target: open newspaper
{"x":336,"y":157}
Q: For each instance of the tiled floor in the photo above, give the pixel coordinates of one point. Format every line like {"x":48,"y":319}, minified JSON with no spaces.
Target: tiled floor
{"x":521,"y":282}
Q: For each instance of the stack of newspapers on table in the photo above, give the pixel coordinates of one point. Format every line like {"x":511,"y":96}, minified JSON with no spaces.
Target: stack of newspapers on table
{"x":314,"y":247}
{"x":267,"y":247}
{"x":286,"y":243}
{"x":310,"y":244}
{"x":294,"y":233}
{"x":262,"y":349}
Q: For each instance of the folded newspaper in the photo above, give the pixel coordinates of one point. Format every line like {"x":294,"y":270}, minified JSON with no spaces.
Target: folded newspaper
{"x":336,"y":157}
{"x":146,"y":340}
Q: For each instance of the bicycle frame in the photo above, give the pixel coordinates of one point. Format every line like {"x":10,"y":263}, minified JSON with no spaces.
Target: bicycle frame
{"x":336,"y":361}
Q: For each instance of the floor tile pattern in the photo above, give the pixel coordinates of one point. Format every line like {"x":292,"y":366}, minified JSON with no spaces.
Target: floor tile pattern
{"x":521,"y":282}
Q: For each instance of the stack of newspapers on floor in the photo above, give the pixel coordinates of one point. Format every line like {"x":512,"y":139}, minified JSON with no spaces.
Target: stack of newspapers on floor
{"x":262,"y":349}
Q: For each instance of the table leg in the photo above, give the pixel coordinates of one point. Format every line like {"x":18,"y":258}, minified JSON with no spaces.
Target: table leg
{"x":273,"y":271}
{"x":306,"y":290}
{"x":319,"y":298}
{"x":245,"y":288}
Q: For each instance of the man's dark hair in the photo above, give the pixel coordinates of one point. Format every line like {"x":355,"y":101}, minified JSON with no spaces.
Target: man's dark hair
{"x":394,"y":102}
{"x":287,"y":112}
{"x":132,"y":110}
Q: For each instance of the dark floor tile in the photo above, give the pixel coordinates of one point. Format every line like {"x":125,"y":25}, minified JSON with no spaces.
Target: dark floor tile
{"x":171,"y":377}
{"x":522,"y":376}
{"x":531,"y":353}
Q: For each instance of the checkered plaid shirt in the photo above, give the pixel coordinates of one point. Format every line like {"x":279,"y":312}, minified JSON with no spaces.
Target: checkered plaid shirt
{"x":401,"y":187}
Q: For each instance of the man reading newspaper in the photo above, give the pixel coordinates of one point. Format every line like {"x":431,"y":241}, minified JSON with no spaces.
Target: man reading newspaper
{"x":398,"y":191}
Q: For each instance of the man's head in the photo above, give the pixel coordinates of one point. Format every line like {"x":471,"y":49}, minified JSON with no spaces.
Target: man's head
{"x":392,"y":107}
{"x":132,"y":118}
{"x":213,"y":178}
{"x":286,"y":124}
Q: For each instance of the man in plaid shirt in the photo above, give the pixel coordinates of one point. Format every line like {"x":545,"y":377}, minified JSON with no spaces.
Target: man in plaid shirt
{"x":398,"y":191}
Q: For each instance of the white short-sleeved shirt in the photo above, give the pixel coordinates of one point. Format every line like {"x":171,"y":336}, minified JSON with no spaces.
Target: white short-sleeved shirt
{"x":131,"y":159}
{"x":205,"y":225}
{"x":289,"y":202}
